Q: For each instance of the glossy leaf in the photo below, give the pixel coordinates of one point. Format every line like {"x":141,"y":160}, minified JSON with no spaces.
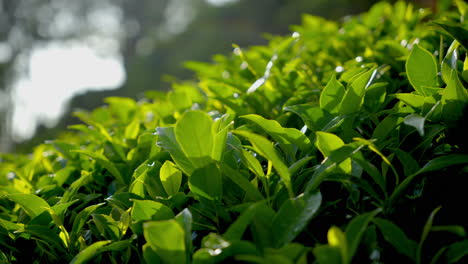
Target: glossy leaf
{"x":328,"y":255}
{"x":237,"y":228}
{"x":454,"y":98}
{"x":89,"y":252}
{"x":293,"y":216}
{"x":332,"y":95}
{"x":101,"y":159}
{"x":133,"y":129}
{"x":167,"y":140}
{"x":33,"y":205}
{"x":185,"y":220}
{"x":143,"y":210}
{"x":337,"y":239}
{"x":457,"y":32}
{"x":421,"y":68}
{"x":80,"y":221}
{"x":397,"y":238}
{"x":432,"y":165}
{"x":355,"y":230}
{"x":75,"y":186}
{"x":207,"y":182}
{"x":250,"y":191}
{"x":194,"y":136}
{"x":281,"y":134}
{"x":314,"y":117}
{"x":456,"y":251}
{"x":167,"y":239}
{"x":171,"y":178}
{"x":266,"y":149}
{"x":354,"y":96}
{"x":327,"y":143}
{"x":413,"y":100}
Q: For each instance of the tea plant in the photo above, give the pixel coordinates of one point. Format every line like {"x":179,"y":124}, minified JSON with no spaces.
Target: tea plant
{"x":343,"y":143}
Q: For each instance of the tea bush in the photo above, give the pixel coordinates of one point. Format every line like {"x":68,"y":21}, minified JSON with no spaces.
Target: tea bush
{"x":342,"y":143}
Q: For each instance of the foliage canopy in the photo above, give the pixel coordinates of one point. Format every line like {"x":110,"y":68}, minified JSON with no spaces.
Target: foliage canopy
{"x":341,"y":143}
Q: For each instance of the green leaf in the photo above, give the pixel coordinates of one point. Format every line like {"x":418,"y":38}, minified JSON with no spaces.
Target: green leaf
{"x":425,"y":233}
{"x":356,"y":229}
{"x":386,"y":127}
{"x":456,"y":251}
{"x":397,"y":238}
{"x":167,"y":140}
{"x":433,"y":165}
{"x":421,"y":68}
{"x":80,"y":220}
{"x":238,"y":227}
{"x":133,"y":129}
{"x":185,"y":220}
{"x":327,"y":143}
{"x":206,"y":182}
{"x":118,"y":245}
{"x":368,"y":167}
{"x":375,"y":97}
{"x":215,"y":249}
{"x":150,"y":255}
{"x":354,"y":97}
{"x":250,"y":190}
{"x":330,"y":163}
{"x":167,"y":239}
{"x":457,"y":32}
{"x":219,"y":144}
{"x":313,"y":116}
{"x":251,"y":162}
{"x":454,"y":99}
{"x":75,"y":186}
{"x":293,"y":216}
{"x":43,"y":233}
{"x":150,"y":210}
{"x":410,"y":165}
{"x":89,"y":252}
{"x":33,"y":205}
{"x":282,"y":135}
{"x":171,"y":178}
{"x":327,"y":255}
{"x":194,"y":136}
{"x":337,"y":239}
{"x":60,"y":208}
{"x":265,"y":148}
{"x":104,"y":162}
{"x":138,"y":184}
{"x":332,"y":95}
{"x":450,"y":61}
{"x":411,"y":99}
{"x":455,"y":229}
{"x":107,"y":226}
{"x":121,"y":107}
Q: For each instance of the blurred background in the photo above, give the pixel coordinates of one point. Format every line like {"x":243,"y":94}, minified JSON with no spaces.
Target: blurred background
{"x":59,"y":55}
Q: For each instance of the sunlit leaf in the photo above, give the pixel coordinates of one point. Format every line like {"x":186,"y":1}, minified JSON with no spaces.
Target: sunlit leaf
{"x":421,"y":68}
{"x":332,"y":95}
{"x":33,"y":205}
{"x":89,"y":252}
{"x":171,"y":177}
{"x":167,"y":239}
{"x":194,"y":136}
